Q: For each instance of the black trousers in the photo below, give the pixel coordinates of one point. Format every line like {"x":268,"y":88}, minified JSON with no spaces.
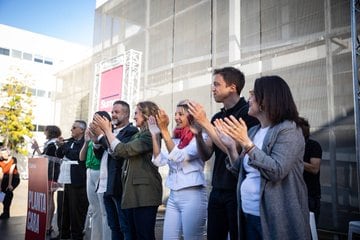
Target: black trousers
{"x":9,"y":194}
{"x":314,"y":206}
{"x":222,"y":215}
{"x":73,"y":205}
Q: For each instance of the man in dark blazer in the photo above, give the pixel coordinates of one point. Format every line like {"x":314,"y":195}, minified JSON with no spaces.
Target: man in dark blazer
{"x":123,"y":130}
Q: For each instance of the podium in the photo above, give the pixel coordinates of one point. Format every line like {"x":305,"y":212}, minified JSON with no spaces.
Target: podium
{"x":38,"y":197}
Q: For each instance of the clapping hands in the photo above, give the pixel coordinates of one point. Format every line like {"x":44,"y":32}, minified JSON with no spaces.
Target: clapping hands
{"x":153,"y":127}
{"x":234,"y":129}
{"x":89,"y":135}
{"x":222,"y":132}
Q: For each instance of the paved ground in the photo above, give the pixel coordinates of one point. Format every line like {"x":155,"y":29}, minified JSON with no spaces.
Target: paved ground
{"x":14,"y":228}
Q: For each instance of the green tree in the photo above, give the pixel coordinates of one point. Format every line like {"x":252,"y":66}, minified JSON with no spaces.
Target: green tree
{"x":16,"y":114}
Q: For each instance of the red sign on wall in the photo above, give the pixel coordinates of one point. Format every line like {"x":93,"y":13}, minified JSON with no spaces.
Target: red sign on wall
{"x":37,"y":199}
{"x":110,"y":88}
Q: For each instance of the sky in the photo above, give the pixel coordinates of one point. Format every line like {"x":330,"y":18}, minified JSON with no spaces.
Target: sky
{"x":69,"y":20}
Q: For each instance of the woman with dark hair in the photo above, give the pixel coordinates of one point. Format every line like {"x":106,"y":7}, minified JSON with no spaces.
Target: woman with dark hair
{"x":96,"y":179}
{"x":142,"y":185}
{"x":52,"y":133}
{"x":272,"y":195}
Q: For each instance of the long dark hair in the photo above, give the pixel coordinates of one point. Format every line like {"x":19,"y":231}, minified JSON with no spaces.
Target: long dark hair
{"x":274,"y":97}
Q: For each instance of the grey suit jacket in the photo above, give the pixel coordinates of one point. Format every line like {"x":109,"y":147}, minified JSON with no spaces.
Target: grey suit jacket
{"x":284,"y":209}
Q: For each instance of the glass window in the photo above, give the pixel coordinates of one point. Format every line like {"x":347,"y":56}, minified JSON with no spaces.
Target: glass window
{"x":39,"y":60}
{"x":33,"y":91}
{"x":49,"y":62}
{"x":40,"y":93}
{"x":16,"y":53}
{"x":41,"y":128}
{"x":4,"y":51}
{"x":27,"y":56}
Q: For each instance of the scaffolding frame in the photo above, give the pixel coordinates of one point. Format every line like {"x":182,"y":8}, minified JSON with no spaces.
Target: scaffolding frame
{"x":131,"y":62}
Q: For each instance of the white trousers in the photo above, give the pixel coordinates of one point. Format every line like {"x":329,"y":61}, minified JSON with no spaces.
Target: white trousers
{"x":99,"y":226}
{"x":186,"y":213}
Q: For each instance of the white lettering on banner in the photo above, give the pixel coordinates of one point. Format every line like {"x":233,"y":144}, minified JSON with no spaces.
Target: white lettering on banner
{"x":37,"y":201}
{"x":32,"y":165}
{"x":32,"y":222}
{"x":106,"y":103}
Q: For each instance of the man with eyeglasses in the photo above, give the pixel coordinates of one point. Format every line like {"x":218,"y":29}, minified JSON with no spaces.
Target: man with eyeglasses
{"x":74,"y":201}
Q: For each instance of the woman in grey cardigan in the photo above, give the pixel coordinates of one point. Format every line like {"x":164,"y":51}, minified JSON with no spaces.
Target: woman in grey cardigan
{"x":272,"y":196}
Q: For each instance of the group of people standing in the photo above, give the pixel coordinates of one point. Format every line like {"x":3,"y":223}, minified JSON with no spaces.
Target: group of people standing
{"x":258,"y":190}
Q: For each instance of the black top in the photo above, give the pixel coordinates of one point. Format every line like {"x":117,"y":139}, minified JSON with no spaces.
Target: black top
{"x":223,"y":178}
{"x":114,"y":184}
{"x":312,"y":150}
{"x":53,"y":167}
{"x":71,"y":150}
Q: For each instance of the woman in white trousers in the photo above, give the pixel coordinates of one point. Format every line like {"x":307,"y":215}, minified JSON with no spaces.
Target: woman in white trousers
{"x":186,"y":208}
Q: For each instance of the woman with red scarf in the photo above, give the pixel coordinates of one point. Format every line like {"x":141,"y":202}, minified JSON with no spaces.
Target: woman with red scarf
{"x":186,"y":207}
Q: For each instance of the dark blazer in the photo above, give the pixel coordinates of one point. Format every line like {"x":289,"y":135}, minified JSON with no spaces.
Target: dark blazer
{"x":114,"y":184}
{"x":71,"y":150}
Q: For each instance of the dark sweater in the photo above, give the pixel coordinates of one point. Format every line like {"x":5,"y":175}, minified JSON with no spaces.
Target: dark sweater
{"x":223,"y":178}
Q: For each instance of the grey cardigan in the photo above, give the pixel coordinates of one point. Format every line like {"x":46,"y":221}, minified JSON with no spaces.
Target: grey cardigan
{"x":284,"y":209}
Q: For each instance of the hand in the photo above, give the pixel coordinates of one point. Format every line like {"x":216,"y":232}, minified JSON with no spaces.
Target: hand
{"x":34,"y":145}
{"x":95,"y":129}
{"x":102,"y":122}
{"x":93,"y":137}
{"x":153,"y":128}
{"x":87,"y":135}
{"x":162,"y":120}
{"x":223,"y":136}
{"x":197,"y":111}
{"x":195,"y":128}
{"x":60,"y":141}
{"x":237,"y":130}
{"x":10,"y":187}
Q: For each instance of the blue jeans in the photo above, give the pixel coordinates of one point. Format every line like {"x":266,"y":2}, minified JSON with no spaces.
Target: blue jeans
{"x":222,"y":215}
{"x":117,"y":219}
{"x":252,"y":227}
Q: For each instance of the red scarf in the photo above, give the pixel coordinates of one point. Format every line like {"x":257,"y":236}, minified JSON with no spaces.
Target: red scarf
{"x":185,"y":136}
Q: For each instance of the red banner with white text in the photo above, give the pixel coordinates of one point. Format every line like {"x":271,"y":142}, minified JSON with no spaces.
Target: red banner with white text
{"x":37,"y":199}
{"x":110,"y":88}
